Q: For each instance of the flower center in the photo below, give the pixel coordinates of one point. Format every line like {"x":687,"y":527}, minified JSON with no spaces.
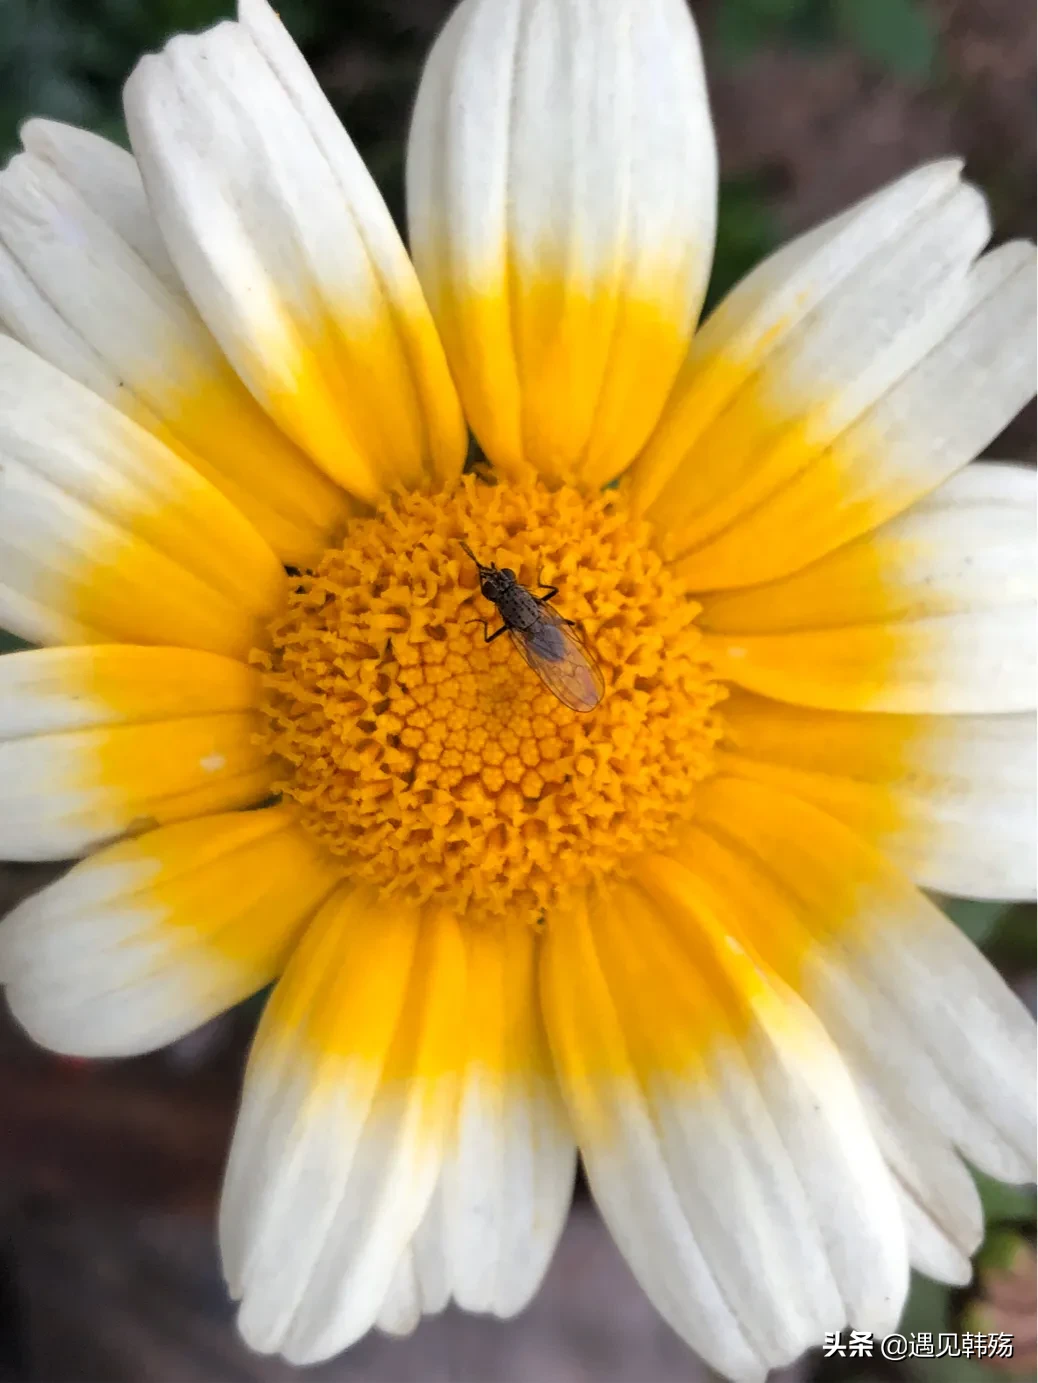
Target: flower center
{"x":438,"y":765}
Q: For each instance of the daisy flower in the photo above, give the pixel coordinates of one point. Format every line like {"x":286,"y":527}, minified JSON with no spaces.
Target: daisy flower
{"x":682,"y":933}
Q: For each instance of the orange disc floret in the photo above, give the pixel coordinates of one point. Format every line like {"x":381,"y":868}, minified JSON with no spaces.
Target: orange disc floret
{"x":437,"y":765}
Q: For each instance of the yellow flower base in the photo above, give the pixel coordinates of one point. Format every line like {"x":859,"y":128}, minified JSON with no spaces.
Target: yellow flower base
{"x":437,"y":765}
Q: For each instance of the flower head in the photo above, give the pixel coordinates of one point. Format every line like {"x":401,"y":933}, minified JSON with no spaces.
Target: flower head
{"x":429,"y":760}
{"x":682,"y":931}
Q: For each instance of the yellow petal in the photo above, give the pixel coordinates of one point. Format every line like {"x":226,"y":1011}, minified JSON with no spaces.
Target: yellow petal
{"x":933,"y":611}
{"x":950,"y":798}
{"x":107,"y":535}
{"x":49,"y":689}
{"x":98,"y":741}
{"x":843,"y":379}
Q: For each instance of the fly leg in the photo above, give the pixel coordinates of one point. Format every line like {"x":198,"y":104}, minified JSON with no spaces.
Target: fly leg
{"x":489,"y":638}
{"x":552,"y":591}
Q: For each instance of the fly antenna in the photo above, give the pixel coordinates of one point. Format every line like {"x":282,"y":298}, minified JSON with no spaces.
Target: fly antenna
{"x":465,"y":548}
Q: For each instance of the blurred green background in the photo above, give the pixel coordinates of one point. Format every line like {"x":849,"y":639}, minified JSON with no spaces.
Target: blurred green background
{"x":816,"y":102}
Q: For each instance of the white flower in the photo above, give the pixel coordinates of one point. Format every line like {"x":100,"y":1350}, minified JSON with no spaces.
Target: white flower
{"x":681,"y":933}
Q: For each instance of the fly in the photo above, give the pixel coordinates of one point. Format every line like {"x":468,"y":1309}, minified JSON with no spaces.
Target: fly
{"x":542,"y":636}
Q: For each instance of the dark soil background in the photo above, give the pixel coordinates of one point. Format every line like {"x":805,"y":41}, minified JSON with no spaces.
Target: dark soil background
{"x":109,"y":1171}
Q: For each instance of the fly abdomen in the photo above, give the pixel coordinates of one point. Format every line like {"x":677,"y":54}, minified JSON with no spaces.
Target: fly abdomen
{"x":547,"y":641}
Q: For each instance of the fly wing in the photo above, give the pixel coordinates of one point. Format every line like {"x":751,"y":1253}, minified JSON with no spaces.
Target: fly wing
{"x":561,"y":661}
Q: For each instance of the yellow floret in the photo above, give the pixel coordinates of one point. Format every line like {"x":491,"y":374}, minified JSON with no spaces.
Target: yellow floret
{"x":438,"y":765}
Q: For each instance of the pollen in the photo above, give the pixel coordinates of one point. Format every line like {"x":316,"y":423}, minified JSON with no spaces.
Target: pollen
{"x":437,"y":765}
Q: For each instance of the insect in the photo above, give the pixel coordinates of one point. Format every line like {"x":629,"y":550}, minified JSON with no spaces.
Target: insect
{"x":542,"y":636}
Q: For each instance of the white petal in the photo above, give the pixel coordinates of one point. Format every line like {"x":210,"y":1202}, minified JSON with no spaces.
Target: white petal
{"x":290,"y":256}
{"x":913,"y":1005}
{"x":932,"y":612}
{"x":944,"y":1218}
{"x":77,"y":292}
{"x":31,"y":318}
{"x":723,"y":1139}
{"x":561,"y":185}
{"x":341,"y":1135}
{"x":36,"y":621}
{"x":154,"y":936}
{"x":507,"y":1181}
{"x":402,"y":1309}
{"x":108,"y":180}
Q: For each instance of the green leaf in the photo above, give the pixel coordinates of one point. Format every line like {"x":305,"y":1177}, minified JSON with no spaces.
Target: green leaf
{"x":747,"y":232}
{"x":1002,"y":1204}
{"x":895,"y":33}
{"x":739,"y":31}
{"x":939,"y":1371}
{"x":1004,"y":1250}
{"x":776,"y":11}
{"x":742,"y":26}
{"x":10,"y":643}
{"x":928,"y":1307}
{"x":979,"y":920}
